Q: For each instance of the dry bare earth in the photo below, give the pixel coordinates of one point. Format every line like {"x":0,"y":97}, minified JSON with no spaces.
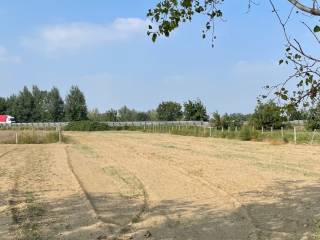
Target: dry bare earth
{"x":124,"y":184}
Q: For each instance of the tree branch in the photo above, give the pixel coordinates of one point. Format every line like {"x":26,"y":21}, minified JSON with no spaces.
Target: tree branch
{"x":312,"y":10}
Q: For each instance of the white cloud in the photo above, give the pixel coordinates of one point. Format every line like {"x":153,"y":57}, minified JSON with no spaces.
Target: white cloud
{"x":5,"y":57}
{"x":75,"y":36}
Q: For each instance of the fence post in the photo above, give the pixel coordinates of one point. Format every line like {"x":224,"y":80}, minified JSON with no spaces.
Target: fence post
{"x":295,"y":135}
{"x":222,"y":129}
{"x":262,"y":129}
{"x":282,"y":134}
{"x":17,"y":141}
{"x":210,"y":131}
{"x":60,"y":135}
{"x":313,"y":135}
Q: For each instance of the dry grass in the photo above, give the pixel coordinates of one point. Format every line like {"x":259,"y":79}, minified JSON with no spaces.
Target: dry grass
{"x":173,"y":187}
{"x":28,"y":137}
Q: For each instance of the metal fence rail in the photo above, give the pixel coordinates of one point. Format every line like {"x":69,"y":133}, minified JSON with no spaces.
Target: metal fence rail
{"x":47,"y":125}
{"x":162,"y":123}
{"x":52,"y":125}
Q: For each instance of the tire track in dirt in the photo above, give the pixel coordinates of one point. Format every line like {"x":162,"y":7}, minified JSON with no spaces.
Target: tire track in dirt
{"x":80,"y":183}
{"x":7,"y":152}
{"x":126,"y":228}
{"x":121,"y":230}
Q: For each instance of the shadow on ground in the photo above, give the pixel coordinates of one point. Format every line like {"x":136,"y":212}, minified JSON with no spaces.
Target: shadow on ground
{"x":286,"y":210}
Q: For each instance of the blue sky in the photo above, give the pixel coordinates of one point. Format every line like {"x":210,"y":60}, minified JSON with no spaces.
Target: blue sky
{"x":102,"y":47}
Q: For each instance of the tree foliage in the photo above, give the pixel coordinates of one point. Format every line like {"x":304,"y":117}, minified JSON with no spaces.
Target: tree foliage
{"x":195,"y":111}
{"x":267,"y":115}
{"x":76,"y":106}
{"x":34,"y":106}
{"x":23,"y":107}
{"x":126,"y":114}
{"x":55,"y":106}
{"x":169,"y":111}
{"x":229,"y":120}
{"x":313,"y":119}
{"x":3,"y":105}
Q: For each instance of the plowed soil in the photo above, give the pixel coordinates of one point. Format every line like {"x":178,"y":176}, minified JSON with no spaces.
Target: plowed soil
{"x":128,"y":185}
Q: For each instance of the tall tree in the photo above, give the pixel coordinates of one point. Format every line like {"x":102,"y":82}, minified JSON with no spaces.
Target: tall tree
{"x":55,"y":106}
{"x":3,"y":105}
{"x":142,"y":117}
{"x":11,"y":105}
{"x":111,"y":115}
{"x":94,"y":115}
{"x":153,"y":115}
{"x":195,"y":111}
{"x":127,"y":115}
{"x":216,"y":119}
{"x":75,"y":106}
{"x":169,"y":111}
{"x":23,"y":106}
{"x":40,"y":111}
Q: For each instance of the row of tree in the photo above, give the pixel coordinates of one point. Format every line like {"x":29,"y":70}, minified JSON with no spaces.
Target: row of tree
{"x":37,"y":105}
{"x":166,"y":111}
{"x":269,"y":115}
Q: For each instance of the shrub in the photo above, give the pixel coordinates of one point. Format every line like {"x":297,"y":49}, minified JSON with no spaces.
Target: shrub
{"x":245,"y":134}
{"x":86,"y":126}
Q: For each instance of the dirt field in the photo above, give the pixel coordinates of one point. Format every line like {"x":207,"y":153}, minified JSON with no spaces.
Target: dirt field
{"x":126,"y":185}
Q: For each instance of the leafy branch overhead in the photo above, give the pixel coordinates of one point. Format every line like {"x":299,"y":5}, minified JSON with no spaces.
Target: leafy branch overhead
{"x":168,"y":15}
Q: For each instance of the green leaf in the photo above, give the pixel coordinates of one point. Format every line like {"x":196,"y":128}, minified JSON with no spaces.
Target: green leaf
{"x":154,"y":37}
{"x":316,"y":29}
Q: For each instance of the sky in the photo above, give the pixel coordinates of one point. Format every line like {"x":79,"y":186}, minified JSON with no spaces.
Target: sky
{"x":102,"y":47}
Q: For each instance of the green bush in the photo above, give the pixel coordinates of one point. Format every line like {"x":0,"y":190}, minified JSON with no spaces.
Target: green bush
{"x":285,"y":139}
{"x":86,"y":126}
{"x":245,"y":134}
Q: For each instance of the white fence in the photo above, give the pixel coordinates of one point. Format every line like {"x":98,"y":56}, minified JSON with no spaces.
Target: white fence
{"x":157,"y":123}
{"x":50,"y":125}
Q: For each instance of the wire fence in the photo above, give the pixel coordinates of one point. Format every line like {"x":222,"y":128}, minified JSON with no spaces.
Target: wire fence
{"x":27,"y":136}
{"x":39,"y":131}
{"x":293,"y":135}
